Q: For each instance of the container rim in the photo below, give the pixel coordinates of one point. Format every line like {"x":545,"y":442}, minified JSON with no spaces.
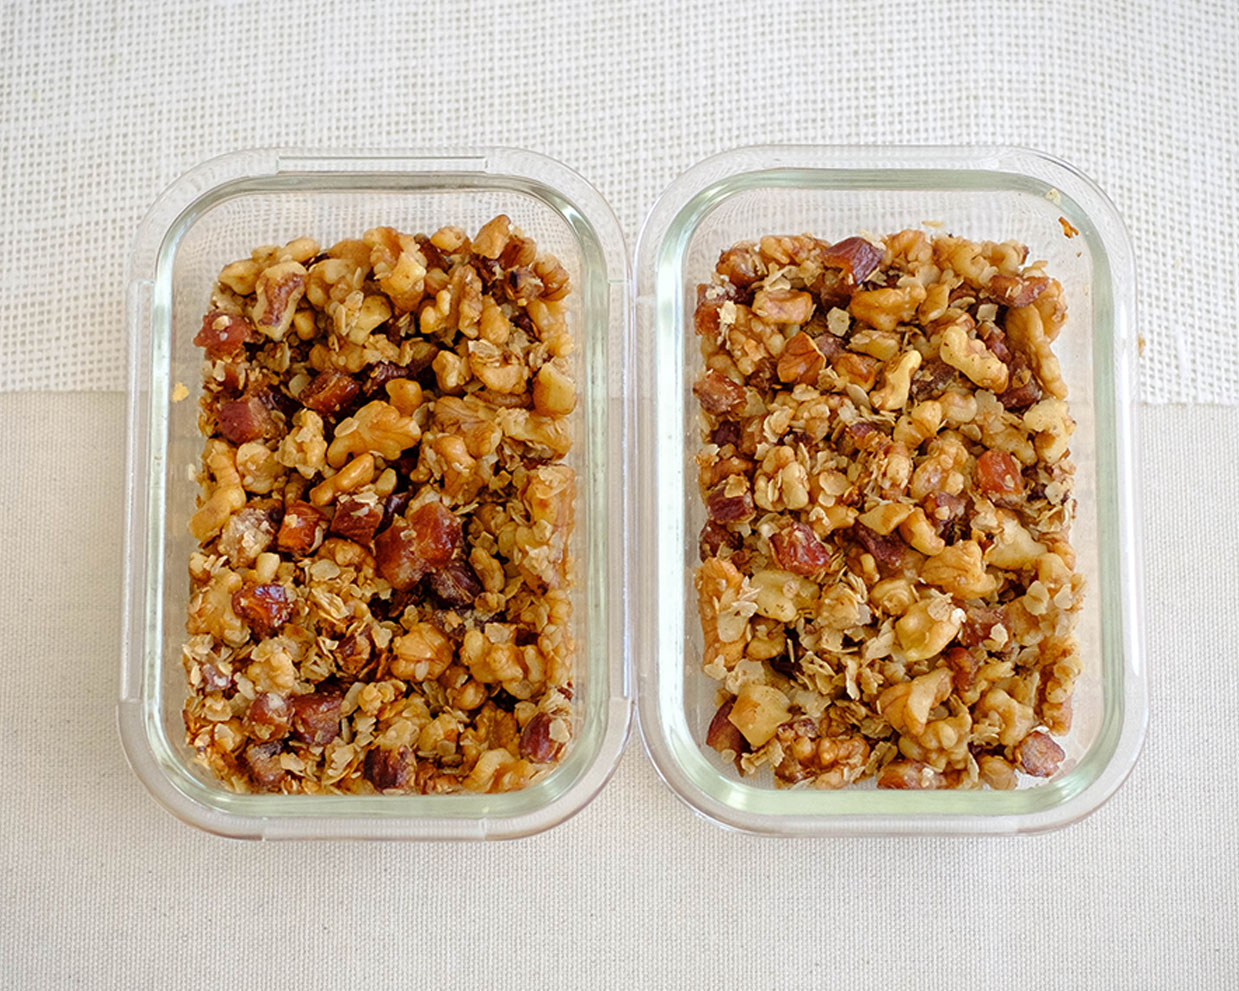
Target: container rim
{"x":557,"y":185}
{"x":704,"y":185}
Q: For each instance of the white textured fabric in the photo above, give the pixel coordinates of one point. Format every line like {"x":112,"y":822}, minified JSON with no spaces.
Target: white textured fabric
{"x":100,"y":888}
{"x":107,"y":102}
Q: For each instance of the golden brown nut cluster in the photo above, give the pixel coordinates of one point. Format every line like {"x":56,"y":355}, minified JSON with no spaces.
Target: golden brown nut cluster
{"x":381,"y":595}
{"x":887,"y":586}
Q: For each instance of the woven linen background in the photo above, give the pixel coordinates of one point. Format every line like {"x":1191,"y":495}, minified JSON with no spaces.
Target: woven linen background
{"x":102,"y":104}
{"x":107,"y":103}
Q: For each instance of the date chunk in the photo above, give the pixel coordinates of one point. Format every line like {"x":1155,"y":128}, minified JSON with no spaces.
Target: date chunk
{"x":264,"y":607}
{"x":456,"y":583}
{"x":798,"y":550}
{"x":428,"y":538}
{"x":1038,"y":755}
{"x":263,"y":760}
{"x":389,"y":768}
{"x":316,"y":717}
{"x":329,"y":392}
{"x":246,"y":419}
{"x":357,"y":518}
{"x":537,"y":742}
{"x":302,"y":529}
{"x":223,"y":335}
{"x":998,"y":473}
{"x":718,"y":394}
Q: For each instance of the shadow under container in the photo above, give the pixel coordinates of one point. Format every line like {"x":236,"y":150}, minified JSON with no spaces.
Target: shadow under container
{"x":219,"y":212}
{"x":833,"y":193}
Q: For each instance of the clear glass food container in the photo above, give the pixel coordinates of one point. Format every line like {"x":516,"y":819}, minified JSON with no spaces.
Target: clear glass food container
{"x":219,"y":212}
{"x":833,"y":193}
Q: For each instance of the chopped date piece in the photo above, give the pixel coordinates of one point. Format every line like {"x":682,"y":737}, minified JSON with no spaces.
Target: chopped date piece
{"x":214,"y":679}
{"x":316,"y":716}
{"x":381,"y":374}
{"x":223,"y":335}
{"x":706,"y":319}
{"x":455,"y":582}
{"x":428,"y":538}
{"x":887,"y":549}
{"x":931,"y":379}
{"x":263,"y":760}
{"x":1012,"y":291}
{"x":264,"y":607}
{"x":998,"y":473}
{"x":798,"y":550}
{"x":730,"y":509}
{"x":269,"y":716}
{"x":942,"y":509}
{"x":714,"y":537}
{"x":394,"y":505}
{"x":727,"y":432}
{"x":245,"y":419}
{"x":389,"y":769}
{"x":741,"y":265}
{"x":537,"y":744}
{"x":855,"y":256}
{"x":996,"y":341}
{"x":356,"y":518}
{"x":303,"y":528}
{"x":718,"y":394}
{"x":979,"y":623}
{"x":964,"y":666}
{"x":866,"y":436}
{"x":1038,"y":755}
{"x":886,"y":579}
{"x":353,"y":653}
{"x":1022,"y":387}
{"x":723,"y":734}
{"x":329,"y":392}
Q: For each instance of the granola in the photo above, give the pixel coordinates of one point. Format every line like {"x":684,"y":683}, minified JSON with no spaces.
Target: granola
{"x":887,"y":586}
{"x":381,"y":595}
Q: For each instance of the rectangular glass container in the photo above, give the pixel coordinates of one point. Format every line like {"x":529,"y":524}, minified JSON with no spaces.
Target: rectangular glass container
{"x":219,"y":212}
{"x":979,"y":193}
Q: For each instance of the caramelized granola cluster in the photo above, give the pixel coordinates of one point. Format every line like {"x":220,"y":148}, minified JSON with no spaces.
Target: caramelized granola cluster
{"x":380,"y":598}
{"x":887,"y":586}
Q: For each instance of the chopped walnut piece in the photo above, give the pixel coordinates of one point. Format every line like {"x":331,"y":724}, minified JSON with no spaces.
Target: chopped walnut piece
{"x":886,"y":587}
{"x":381,"y":599}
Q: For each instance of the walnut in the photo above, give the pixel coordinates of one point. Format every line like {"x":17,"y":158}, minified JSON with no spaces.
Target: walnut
{"x":277,"y":291}
{"x":377,"y":428}
{"x":960,"y":571}
{"x":973,"y":358}
{"x":399,"y":267}
{"x":885,"y":309}
{"x":303,"y":447}
{"x":258,"y":467}
{"x":355,"y":474}
{"x":498,"y":370}
{"x":554,"y":392}
{"x":225,"y":495}
{"x":897,"y":380}
{"x":1026,"y":331}
{"x":758,"y":711}
{"x":906,"y":705}
{"x":421,"y":654}
{"x":927,"y":627}
{"x":782,"y":481}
